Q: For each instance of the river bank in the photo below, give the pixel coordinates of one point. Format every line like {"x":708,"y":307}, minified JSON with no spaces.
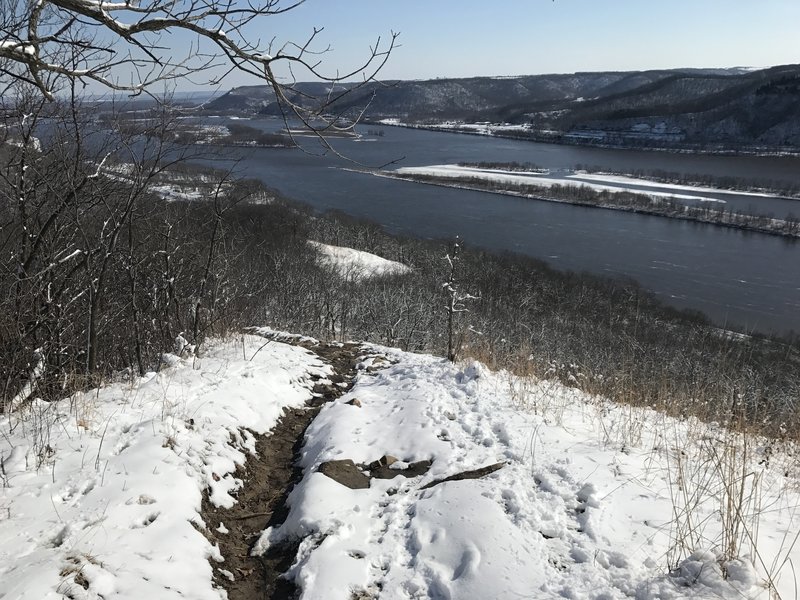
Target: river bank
{"x":581,"y":194}
{"x":522,"y":133}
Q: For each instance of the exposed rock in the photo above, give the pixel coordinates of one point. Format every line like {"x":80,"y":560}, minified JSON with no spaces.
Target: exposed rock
{"x":353,"y":476}
{"x":473,"y":474}
{"x":385,"y":471}
{"x":378,"y":363}
{"x":354,"y":402}
{"x":384,"y":461}
{"x":345,"y":472}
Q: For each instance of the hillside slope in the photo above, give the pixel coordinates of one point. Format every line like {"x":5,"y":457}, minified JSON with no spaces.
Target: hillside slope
{"x":733,"y":107}
{"x":758,"y":108}
{"x":449,"y":98}
{"x":556,"y":494}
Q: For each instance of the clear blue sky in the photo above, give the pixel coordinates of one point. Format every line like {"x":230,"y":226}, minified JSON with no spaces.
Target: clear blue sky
{"x":450,"y":38}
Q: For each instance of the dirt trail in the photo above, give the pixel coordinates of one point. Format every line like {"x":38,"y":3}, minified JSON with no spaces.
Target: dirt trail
{"x":269,"y":477}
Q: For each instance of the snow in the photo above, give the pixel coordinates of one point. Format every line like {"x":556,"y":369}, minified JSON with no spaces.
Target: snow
{"x":177,"y":192}
{"x":538,"y":179}
{"x":480,"y":128}
{"x":283,"y":336}
{"x":30,"y":385}
{"x":34,"y":143}
{"x":108,"y":484}
{"x":582,"y":508}
{"x":671,"y":186}
{"x":177,"y":189}
{"x":18,"y":46}
{"x":484,"y":128}
{"x":356,"y":264}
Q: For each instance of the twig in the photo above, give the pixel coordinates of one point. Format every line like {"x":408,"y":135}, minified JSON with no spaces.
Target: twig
{"x":259,"y":350}
{"x":252,"y":515}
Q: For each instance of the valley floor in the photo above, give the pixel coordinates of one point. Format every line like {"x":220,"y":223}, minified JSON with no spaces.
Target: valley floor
{"x":102,"y":493}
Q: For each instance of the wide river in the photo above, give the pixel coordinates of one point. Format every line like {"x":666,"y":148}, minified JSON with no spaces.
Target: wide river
{"x":739,"y":279}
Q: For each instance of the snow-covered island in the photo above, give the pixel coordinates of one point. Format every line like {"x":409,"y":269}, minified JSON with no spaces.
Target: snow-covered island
{"x":601,"y":191}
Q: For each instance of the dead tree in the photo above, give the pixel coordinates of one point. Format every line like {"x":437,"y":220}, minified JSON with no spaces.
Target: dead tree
{"x":455,"y":301}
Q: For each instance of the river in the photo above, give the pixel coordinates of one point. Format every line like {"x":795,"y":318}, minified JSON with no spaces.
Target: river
{"x":747,"y":280}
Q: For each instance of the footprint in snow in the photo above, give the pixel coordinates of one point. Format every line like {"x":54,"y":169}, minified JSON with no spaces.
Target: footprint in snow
{"x":71,"y":494}
{"x":87,"y":487}
{"x":469,"y":563}
{"x":501,"y":431}
{"x":60,"y":537}
{"x":457,"y":394}
{"x":145,"y":521}
{"x":142,"y":499}
{"x":66,"y":494}
{"x":120,"y":447}
{"x":391,"y":521}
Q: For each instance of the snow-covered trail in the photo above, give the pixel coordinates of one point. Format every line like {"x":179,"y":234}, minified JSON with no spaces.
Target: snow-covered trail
{"x":581,"y":509}
{"x":267,"y":477}
{"x":100,"y":494}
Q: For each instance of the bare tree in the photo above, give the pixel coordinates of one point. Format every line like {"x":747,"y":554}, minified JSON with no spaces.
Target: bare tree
{"x":455,"y":301}
{"x":123,"y":45}
{"x":101,"y":275}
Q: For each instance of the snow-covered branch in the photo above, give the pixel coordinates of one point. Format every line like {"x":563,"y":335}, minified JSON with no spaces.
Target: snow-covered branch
{"x":30,"y":385}
{"x":128,"y":46}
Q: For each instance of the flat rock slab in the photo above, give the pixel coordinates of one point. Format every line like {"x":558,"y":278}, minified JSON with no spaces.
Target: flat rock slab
{"x":415,"y":469}
{"x":345,"y":472}
{"x":357,"y":477}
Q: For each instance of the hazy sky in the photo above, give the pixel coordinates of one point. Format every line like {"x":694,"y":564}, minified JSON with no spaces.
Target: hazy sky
{"x":449,"y":38}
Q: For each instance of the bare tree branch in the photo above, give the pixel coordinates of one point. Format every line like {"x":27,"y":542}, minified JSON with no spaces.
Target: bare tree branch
{"x":46,"y":41}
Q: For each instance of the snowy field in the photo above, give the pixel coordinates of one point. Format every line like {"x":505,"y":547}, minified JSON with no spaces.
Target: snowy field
{"x":101,"y":492}
{"x":356,"y":264}
{"x":595,"y":182}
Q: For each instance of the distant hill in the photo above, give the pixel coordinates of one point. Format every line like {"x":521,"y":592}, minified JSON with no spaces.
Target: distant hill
{"x":731,"y":107}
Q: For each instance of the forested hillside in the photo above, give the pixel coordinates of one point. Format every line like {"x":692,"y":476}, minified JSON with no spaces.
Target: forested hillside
{"x":694,"y":107}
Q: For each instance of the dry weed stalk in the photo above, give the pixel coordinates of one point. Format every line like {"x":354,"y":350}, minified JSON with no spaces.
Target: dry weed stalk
{"x":717,"y":485}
